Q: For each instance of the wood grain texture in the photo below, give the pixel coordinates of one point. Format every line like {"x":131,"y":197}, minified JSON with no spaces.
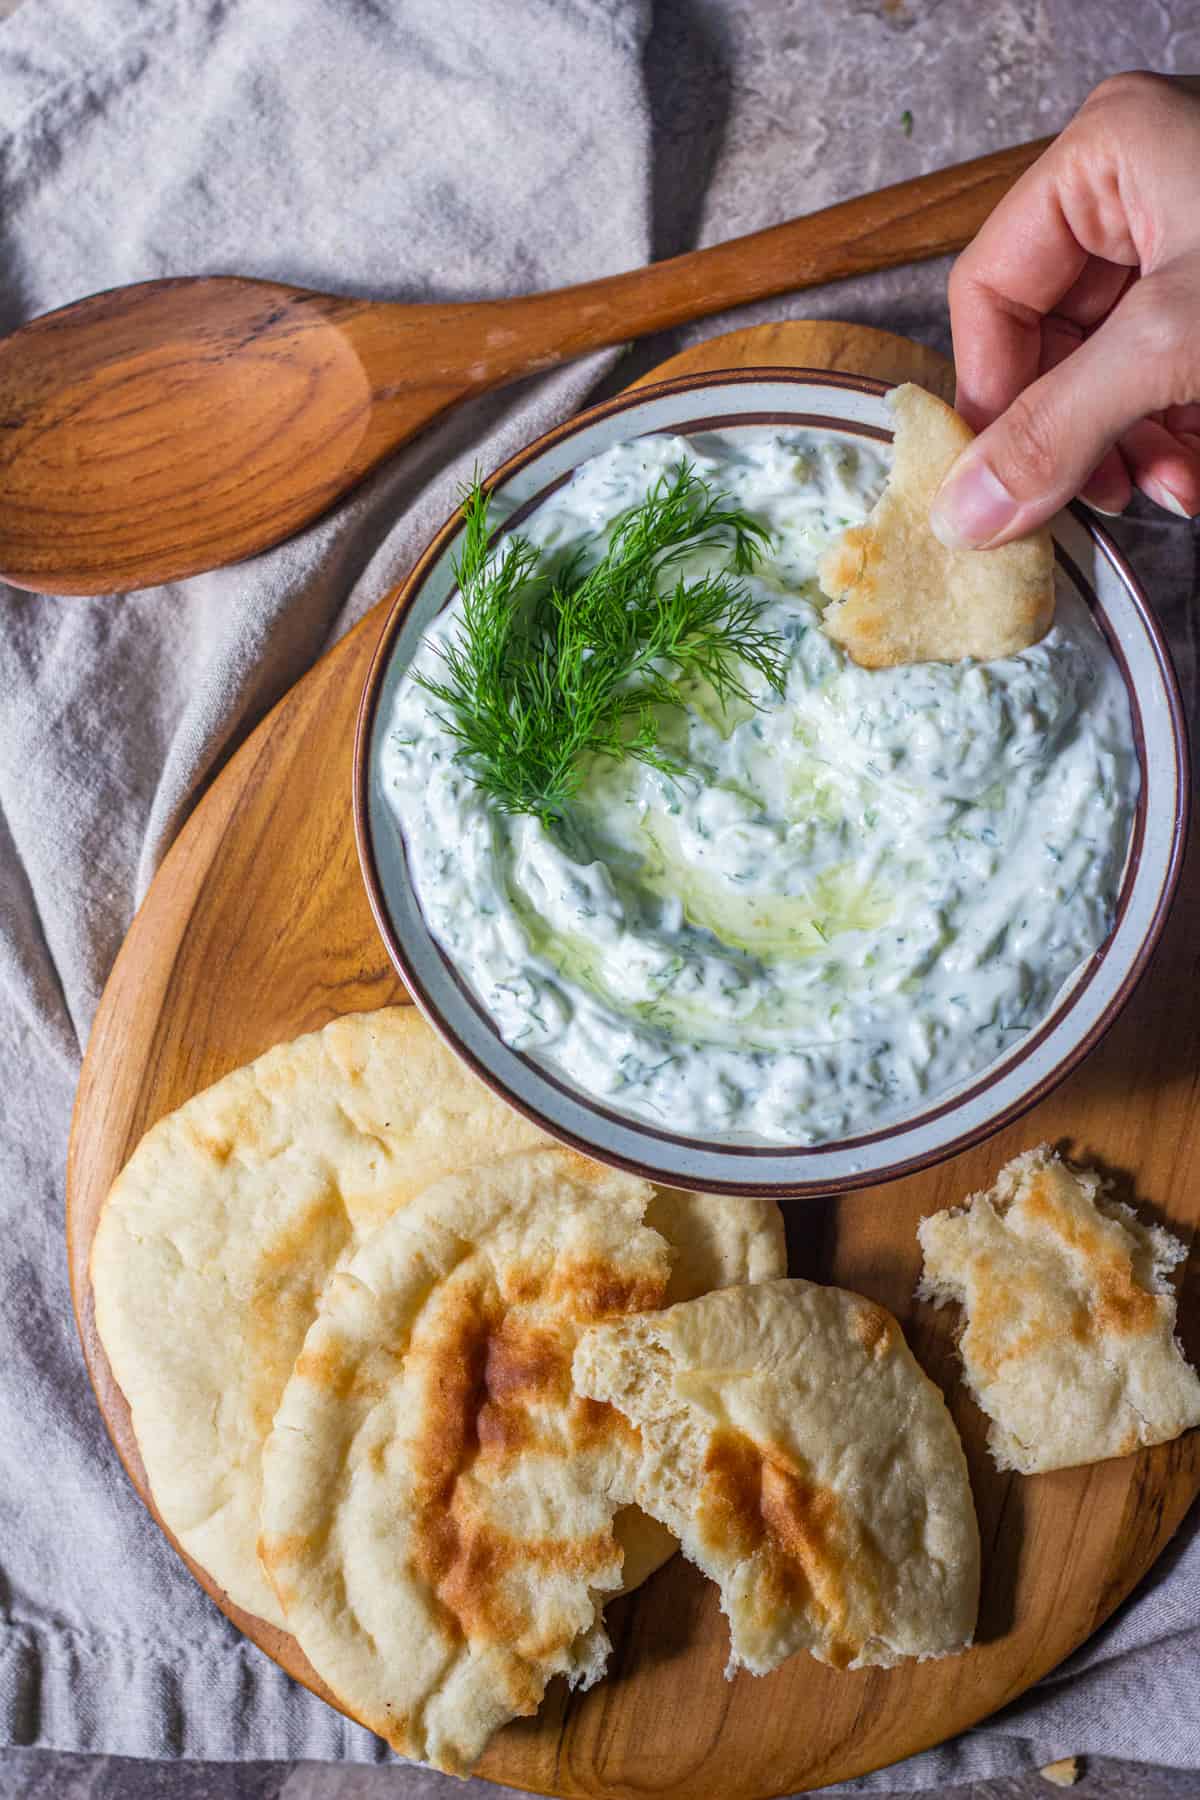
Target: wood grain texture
{"x":158,"y":430}
{"x":257,"y":928}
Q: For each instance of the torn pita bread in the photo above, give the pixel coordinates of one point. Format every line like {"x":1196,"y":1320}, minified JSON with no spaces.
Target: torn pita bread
{"x":805,"y":1463}
{"x":1069,"y":1338}
{"x":219,"y":1235}
{"x":899,"y":595}
{"x":438,"y":1503}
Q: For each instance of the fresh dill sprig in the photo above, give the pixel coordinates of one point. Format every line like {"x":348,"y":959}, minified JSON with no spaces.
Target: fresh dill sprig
{"x":552,"y":664}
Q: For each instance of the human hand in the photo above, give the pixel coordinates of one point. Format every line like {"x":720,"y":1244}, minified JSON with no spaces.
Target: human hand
{"x":1076,"y":322}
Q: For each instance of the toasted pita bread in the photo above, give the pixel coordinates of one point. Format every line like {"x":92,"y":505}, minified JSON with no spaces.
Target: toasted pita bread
{"x":438,"y":1504}
{"x":902,"y":597}
{"x":1069,"y":1340}
{"x":792,"y":1444}
{"x":218,"y":1237}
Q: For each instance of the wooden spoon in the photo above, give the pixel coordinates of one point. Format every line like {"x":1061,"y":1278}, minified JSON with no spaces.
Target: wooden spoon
{"x":157,"y":430}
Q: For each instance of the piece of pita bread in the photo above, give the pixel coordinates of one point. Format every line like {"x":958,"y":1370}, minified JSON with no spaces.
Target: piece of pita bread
{"x":803,"y":1460}
{"x":902,"y":597}
{"x":438,"y":1503}
{"x":219,"y":1235}
{"x":1069,"y":1339}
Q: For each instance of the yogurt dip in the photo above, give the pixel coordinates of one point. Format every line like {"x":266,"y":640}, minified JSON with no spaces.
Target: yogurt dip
{"x":862,"y":892}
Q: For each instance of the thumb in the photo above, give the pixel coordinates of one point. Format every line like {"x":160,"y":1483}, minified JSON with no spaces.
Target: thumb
{"x":1039,"y":453}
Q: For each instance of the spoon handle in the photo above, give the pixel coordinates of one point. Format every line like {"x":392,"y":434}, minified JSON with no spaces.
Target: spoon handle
{"x":911,"y":221}
{"x":930,"y":215}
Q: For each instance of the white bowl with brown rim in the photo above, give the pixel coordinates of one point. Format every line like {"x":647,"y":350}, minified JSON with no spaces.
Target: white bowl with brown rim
{"x":949,"y":1121}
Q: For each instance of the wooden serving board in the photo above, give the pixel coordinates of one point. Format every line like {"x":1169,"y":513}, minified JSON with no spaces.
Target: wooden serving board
{"x":257,"y":928}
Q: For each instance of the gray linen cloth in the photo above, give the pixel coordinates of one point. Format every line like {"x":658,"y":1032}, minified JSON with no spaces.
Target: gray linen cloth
{"x":410,"y":148}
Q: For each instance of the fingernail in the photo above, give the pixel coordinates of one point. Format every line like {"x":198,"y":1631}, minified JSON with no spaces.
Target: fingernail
{"x":1106,"y":512}
{"x":971,"y":507}
{"x":1162,"y":496}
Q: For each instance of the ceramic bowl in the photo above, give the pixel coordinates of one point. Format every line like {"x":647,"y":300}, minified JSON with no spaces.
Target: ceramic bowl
{"x":948,"y":1122}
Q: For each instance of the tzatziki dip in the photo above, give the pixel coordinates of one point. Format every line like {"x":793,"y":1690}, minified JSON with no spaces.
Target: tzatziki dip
{"x":859,"y":892}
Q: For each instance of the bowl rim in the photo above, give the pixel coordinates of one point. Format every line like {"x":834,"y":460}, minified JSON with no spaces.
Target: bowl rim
{"x":401,"y":597}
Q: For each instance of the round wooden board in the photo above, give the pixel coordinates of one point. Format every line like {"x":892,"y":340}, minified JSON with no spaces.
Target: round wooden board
{"x":257,"y":928}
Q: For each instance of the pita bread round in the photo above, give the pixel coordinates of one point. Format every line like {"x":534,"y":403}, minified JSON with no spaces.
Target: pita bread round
{"x":807,"y":1465}
{"x":220,"y":1234}
{"x":901,"y":596}
{"x":1069,"y":1344}
{"x":437,"y":1512}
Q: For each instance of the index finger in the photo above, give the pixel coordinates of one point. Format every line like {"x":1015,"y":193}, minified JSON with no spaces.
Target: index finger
{"x":1049,"y":244}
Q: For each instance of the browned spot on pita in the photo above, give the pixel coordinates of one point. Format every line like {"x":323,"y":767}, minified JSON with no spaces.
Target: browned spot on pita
{"x":525,"y":1365}
{"x":996,"y":1333}
{"x":524,"y":1284}
{"x":731,"y":1503}
{"x":526,"y":1362}
{"x":474,"y":1557}
{"x":583,"y":1169}
{"x":370,"y":1381}
{"x":279,"y":1551}
{"x":590,"y":1289}
{"x":456,"y":1355}
{"x":1123,"y":1309}
{"x":1122,"y":1306}
{"x":596,"y":1422}
{"x":996,"y":1330}
{"x":219,"y":1148}
{"x":487,"y":1368}
{"x":504,"y":1432}
{"x":872,"y":1326}
{"x":330,"y":1369}
{"x":444,"y":1555}
{"x":239,"y":1121}
{"x":756,"y":1502}
{"x":290,"y":1273}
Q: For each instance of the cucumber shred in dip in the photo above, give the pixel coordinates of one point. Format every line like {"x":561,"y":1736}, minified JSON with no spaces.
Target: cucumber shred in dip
{"x":861,"y":893}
